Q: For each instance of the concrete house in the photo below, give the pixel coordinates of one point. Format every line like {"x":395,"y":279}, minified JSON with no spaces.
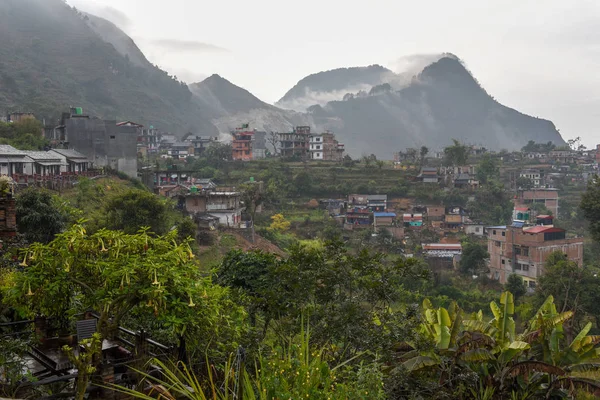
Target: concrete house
{"x":104,"y":142}
{"x":546,"y":196}
{"x":224,"y":205}
{"x":524,"y":251}
{"x":377,"y":202}
{"x":435,"y":213}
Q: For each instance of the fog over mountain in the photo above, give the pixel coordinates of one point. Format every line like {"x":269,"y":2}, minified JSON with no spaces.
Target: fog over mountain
{"x":443,"y":102}
{"x":52,"y":57}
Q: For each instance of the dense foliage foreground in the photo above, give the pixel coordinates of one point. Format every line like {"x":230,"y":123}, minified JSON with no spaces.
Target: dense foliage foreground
{"x":321,"y":323}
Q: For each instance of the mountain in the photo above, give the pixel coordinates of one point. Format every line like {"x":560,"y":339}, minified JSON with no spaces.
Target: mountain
{"x":326,"y":86}
{"x":441,"y":103}
{"x":110,"y":33}
{"x":53,"y":57}
{"x":229,"y":106}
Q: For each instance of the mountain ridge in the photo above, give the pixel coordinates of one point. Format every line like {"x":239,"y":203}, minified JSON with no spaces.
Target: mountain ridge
{"x":51,"y":59}
{"x":443,"y":102}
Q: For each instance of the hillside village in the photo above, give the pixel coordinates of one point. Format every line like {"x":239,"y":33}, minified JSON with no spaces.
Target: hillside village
{"x":417,"y":229}
{"x":535,"y":180}
{"x":473,"y":221}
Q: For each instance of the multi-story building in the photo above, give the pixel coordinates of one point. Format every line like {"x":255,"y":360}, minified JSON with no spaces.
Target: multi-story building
{"x":104,"y":142}
{"x":534,"y":175}
{"x":201,"y":143}
{"x":324,"y":146}
{"x":429,"y":175}
{"x":524,"y":251}
{"x":563,"y":156}
{"x":243,"y":139}
{"x":358,"y":216}
{"x":295,"y":143}
{"x":181,"y":150}
{"x":546,"y":196}
{"x":147,"y":141}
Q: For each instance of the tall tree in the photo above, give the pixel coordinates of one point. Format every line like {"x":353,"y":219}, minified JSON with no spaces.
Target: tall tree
{"x":135,"y":209}
{"x":572,"y":287}
{"x":590,"y":204}
{"x":515,"y":285}
{"x":116,"y":274}
{"x":492,"y":204}
{"x":487,"y":169}
{"x":423,"y":153}
{"x":472,"y":261}
{"x":457,"y":154}
{"x":38,"y":216}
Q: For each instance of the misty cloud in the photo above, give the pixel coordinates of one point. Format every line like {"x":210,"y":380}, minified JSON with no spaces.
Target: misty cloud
{"x":117,"y":17}
{"x":311,"y":97}
{"x":188,"y":76}
{"x":185,"y":45}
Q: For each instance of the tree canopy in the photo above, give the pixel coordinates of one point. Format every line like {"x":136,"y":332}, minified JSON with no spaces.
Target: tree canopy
{"x":590,"y":205}
{"x":456,"y":154}
{"x":118,"y":274}
{"x":136,"y":209}
{"x":38,"y":216}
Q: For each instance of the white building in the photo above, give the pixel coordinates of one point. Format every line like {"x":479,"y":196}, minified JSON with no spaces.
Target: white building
{"x":534,"y":175}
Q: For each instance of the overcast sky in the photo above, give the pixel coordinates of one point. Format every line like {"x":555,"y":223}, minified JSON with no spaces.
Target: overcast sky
{"x":540,"y":57}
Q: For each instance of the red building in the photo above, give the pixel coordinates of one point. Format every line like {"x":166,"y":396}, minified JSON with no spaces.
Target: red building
{"x":242,"y":143}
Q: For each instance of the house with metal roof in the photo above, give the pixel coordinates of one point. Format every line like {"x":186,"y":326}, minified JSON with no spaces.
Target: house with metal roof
{"x":43,"y":163}
{"x":71,"y":161}
{"x":13,"y":161}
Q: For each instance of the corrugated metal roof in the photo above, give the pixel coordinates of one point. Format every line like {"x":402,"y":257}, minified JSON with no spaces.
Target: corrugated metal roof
{"x":6,"y":149}
{"x":69,"y":153}
{"x":42,"y":156}
{"x":384,"y":214}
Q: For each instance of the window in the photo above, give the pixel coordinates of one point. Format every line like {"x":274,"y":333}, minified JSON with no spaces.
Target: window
{"x":503,"y":233}
{"x":532,"y":284}
{"x":525,"y":251}
{"x":318,"y":147}
{"x":503,"y":261}
{"x":494,"y":232}
{"x":318,"y":154}
{"x":112,"y":136}
{"x":497,"y":243}
{"x":477,"y":229}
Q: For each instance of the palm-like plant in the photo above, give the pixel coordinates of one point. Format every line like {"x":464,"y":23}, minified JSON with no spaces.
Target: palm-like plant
{"x":528,"y":365}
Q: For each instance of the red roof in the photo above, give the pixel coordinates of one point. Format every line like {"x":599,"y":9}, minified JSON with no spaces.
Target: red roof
{"x":543,"y":229}
{"x":521,"y":208}
{"x":545,"y":217}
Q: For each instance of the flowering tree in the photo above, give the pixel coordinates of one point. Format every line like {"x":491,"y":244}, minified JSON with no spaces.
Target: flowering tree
{"x":117,"y":274}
